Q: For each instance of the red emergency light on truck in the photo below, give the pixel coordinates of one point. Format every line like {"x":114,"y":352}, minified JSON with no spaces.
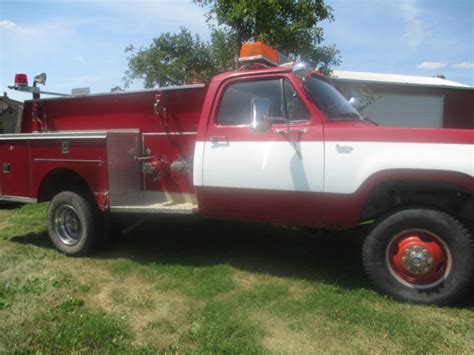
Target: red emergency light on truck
{"x":271,"y":142}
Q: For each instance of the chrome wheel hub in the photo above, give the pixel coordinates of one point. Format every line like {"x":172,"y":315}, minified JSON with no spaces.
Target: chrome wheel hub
{"x":417,"y":260}
{"x":67,"y":225}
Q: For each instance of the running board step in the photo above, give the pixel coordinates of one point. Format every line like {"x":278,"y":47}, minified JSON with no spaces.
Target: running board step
{"x":158,"y":208}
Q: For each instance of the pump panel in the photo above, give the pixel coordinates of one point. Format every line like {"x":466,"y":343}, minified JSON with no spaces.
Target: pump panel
{"x":123,"y":149}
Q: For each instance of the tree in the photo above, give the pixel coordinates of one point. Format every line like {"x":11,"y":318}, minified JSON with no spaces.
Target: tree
{"x":291,"y":26}
{"x":171,"y":59}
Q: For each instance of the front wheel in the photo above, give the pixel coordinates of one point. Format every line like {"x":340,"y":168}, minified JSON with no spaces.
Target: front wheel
{"x":73,"y":224}
{"x":421,"y":256}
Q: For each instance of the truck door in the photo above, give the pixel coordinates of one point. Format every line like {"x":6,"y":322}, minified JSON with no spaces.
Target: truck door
{"x":274,"y":176}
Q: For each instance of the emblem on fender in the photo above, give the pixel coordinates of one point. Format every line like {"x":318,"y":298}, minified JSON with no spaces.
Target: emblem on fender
{"x":345,"y":149}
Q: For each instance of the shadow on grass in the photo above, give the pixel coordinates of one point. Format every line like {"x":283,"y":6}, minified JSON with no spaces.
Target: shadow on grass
{"x":261,"y":248}
{"x":267,"y":249}
{"x":10,"y":205}
{"x":38,"y":239}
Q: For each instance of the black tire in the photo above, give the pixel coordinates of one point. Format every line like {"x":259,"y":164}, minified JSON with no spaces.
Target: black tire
{"x":74,"y":224}
{"x":450,"y":274}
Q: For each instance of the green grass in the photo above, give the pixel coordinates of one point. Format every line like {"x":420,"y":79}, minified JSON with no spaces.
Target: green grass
{"x":206,"y":287}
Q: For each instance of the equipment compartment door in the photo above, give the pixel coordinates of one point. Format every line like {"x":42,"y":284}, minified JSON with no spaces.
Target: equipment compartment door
{"x":2,"y":157}
{"x":15,"y":168}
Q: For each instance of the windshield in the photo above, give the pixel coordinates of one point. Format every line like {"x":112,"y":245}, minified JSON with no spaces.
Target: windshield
{"x":330,"y":101}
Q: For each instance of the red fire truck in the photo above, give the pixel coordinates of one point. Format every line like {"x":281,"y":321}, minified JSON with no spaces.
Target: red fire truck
{"x":271,"y":142}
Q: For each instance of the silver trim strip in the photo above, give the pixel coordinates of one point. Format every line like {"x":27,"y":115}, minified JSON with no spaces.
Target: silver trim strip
{"x":182,"y":210}
{"x":117,"y":93}
{"x":40,"y":160}
{"x":39,"y":136}
{"x":140,"y":199}
{"x":122,"y":130}
{"x":67,"y":134}
{"x":20,"y":199}
{"x":171,"y":134}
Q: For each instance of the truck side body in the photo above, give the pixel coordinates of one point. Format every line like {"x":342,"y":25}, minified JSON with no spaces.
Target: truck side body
{"x":260,"y":145}
{"x":248,"y":175}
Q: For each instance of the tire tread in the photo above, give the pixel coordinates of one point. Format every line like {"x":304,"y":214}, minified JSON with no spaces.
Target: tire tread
{"x":448,"y":298}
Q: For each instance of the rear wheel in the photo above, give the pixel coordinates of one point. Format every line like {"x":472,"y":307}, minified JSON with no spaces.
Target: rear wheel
{"x":73,"y":223}
{"x":421,"y":256}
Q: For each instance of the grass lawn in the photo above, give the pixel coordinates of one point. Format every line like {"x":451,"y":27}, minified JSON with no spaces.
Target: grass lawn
{"x":206,"y":287}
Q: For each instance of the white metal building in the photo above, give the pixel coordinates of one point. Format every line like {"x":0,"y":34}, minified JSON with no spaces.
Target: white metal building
{"x":410,"y":101}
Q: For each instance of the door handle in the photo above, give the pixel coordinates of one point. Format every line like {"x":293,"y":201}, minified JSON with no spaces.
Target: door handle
{"x":143,"y":158}
{"x":217,"y":139}
{"x":286,"y":131}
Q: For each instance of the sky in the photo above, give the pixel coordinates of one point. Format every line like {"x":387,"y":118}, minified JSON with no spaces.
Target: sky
{"x":81,"y":43}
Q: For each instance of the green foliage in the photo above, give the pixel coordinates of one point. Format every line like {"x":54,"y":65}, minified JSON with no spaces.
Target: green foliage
{"x":171,"y":59}
{"x":367,"y":97}
{"x":289,"y":26}
{"x":1,"y":127}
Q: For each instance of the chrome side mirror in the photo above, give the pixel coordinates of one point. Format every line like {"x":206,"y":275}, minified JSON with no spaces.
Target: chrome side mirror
{"x":302,"y":70}
{"x":40,"y":78}
{"x":355,"y":102}
{"x":261,"y":109}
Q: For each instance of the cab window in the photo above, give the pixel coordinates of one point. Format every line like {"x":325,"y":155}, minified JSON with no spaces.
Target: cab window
{"x":296,"y":111}
{"x":235,"y":107}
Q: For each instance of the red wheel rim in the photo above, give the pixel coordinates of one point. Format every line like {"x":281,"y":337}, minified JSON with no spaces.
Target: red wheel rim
{"x":418,"y":258}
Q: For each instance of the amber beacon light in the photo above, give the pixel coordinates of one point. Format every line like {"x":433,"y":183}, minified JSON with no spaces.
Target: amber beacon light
{"x":260,"y":52}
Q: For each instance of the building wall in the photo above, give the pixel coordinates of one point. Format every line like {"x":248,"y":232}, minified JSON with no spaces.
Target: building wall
{"x":406,"y":110}
{"x":8,"y":121}
{"x":458,"y":104}
{"x":8,"y":115}
{"x":459,"y":109}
